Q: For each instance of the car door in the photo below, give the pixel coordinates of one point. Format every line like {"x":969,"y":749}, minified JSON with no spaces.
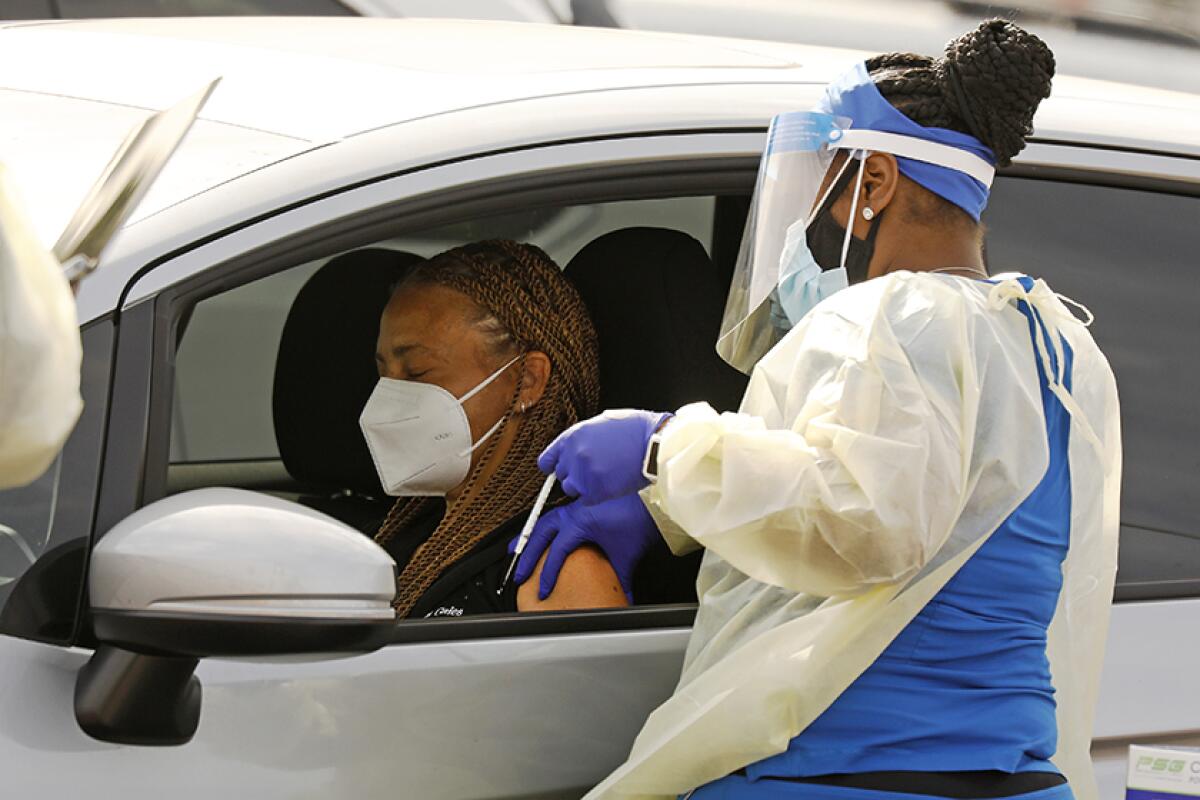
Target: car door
{"x":506,"y":706}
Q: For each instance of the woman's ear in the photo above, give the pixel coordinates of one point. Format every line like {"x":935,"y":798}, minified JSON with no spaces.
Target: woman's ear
{"x":881,"y":176}
{"x":534,"y":378}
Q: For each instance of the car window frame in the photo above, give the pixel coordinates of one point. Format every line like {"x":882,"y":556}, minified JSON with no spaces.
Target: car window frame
{"x":155,"y":300}
{"x":143,"y":382}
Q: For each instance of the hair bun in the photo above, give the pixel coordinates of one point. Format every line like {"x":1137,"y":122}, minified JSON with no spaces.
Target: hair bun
{"x":995,"y":76}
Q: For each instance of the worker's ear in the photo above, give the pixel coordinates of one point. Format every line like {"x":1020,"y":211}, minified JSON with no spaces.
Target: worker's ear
{"x":881,"y":176}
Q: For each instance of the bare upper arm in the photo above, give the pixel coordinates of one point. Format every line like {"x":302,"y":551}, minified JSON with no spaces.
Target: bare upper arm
{"x":586,"y":580}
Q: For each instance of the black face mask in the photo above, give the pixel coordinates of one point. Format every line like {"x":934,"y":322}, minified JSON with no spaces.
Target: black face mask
{"x":825,"y":237}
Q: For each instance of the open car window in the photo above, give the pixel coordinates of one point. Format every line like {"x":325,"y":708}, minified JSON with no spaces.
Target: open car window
{"x":226,"y":354}
{"x":259,"y":401}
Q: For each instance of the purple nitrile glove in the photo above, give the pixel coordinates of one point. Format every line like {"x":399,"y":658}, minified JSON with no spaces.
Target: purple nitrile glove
{"x":621,"y":527}
{"x":601,"y":458}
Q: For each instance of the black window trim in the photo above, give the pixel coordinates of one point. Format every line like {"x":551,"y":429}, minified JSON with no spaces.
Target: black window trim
{"x":151,"y":324}
{"x":88,"y":443}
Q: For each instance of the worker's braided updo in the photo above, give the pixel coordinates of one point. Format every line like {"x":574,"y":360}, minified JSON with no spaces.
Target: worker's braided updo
{"x":525,"y":304}
{"x":988,"y":84}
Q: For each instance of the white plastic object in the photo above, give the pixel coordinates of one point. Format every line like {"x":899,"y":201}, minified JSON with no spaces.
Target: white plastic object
{"x":238,"y":553}
{"x":39,"y":349}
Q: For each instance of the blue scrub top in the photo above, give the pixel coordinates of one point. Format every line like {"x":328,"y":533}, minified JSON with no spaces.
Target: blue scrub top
{"x":966,"y":685}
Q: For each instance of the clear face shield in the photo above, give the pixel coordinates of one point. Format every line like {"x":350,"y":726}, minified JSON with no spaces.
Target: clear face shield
{"x":774,"y":252}
{"x":777,"y":279}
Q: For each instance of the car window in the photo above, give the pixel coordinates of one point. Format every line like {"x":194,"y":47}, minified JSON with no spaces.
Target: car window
{"x":222,"y":410}
{"x":25,"y":524}
{"x":271,"y":376}
{"x":1129,"y":256}
{"x":45,"y":526}
{"x":71,"y":9}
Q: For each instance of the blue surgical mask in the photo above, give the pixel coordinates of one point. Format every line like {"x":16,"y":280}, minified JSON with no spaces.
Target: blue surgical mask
{"x":804,"y":283}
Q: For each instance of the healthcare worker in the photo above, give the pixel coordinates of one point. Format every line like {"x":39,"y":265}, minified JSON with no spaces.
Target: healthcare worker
{"x":911,"y":523}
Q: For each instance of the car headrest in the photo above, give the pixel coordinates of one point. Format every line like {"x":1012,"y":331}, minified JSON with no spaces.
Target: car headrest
{"x":656,"y":302}
{"x":326,"y":369}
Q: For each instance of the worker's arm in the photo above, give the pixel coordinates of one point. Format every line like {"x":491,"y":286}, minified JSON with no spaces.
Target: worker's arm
{"x":851,"y":463}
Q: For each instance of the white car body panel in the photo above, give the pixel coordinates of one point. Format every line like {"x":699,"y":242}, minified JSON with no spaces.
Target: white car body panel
{"x":505,"y":718}
{"x":290,"y":729}
{"x":415,"y":184}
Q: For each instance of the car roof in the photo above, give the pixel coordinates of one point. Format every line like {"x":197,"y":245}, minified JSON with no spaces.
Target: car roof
{"x":70,"y":90}
{"x":362,"y":73}
{"x":277,"y":69}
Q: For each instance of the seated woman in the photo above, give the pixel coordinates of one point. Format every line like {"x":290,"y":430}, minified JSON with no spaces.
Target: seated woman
{"x":485,"y":354}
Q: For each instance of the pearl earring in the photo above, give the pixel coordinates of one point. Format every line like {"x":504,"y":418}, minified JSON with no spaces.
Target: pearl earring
{"x":868,"y":214}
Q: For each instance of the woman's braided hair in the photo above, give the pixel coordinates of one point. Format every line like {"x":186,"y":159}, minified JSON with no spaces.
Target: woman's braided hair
{"x":988,"y":84}
{"x":524,"y":304}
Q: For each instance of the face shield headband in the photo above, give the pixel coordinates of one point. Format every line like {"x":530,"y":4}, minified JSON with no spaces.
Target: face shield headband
{"x":959,"y":169}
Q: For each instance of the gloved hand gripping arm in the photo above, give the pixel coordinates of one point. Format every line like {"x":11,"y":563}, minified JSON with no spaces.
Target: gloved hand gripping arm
{"x":599,"y":461}
{"x":622,"y":528}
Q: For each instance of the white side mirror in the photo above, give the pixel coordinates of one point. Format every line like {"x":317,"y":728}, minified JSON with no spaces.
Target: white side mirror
{"x":242,"y":556}
{"x":219,"y":572}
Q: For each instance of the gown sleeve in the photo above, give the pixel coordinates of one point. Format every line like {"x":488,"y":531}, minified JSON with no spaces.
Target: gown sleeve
{"x":847,"y":464}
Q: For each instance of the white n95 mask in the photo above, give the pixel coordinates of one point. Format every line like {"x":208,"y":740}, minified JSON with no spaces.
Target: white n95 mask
{"x":419,"y":435}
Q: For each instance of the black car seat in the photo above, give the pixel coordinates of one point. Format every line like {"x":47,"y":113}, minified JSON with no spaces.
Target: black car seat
{"x":323,"y":376}
{"x":656,"y":300}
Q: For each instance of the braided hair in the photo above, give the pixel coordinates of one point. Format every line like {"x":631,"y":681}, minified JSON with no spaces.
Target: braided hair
{"x":988,"y":84}
{"x":524,"y":304}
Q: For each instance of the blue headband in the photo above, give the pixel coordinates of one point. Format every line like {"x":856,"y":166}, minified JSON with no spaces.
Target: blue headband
{"x":854,"y":95}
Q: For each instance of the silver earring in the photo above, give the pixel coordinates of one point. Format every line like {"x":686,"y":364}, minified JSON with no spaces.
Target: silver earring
{"x":522,"y":408}
{"x":868,"y":214}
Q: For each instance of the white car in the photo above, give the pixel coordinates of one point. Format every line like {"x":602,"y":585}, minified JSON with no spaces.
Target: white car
{"x":178,"y":524}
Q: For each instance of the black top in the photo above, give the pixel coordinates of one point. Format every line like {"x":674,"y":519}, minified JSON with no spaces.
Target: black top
{"x":472,"y":584}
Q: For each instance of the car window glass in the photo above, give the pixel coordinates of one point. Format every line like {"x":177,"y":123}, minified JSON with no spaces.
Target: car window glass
{"x":70,"y":9}
{"x":222,"y":405}
{"x":26,"y":517}
{"x":1127,"y":255}
{"x":271,"y":377}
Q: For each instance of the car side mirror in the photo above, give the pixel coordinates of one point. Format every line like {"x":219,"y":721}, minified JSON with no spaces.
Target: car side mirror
{"x":219,"y":572}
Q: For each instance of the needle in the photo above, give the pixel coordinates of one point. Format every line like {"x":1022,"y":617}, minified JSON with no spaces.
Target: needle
{"x":523,"y":539}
